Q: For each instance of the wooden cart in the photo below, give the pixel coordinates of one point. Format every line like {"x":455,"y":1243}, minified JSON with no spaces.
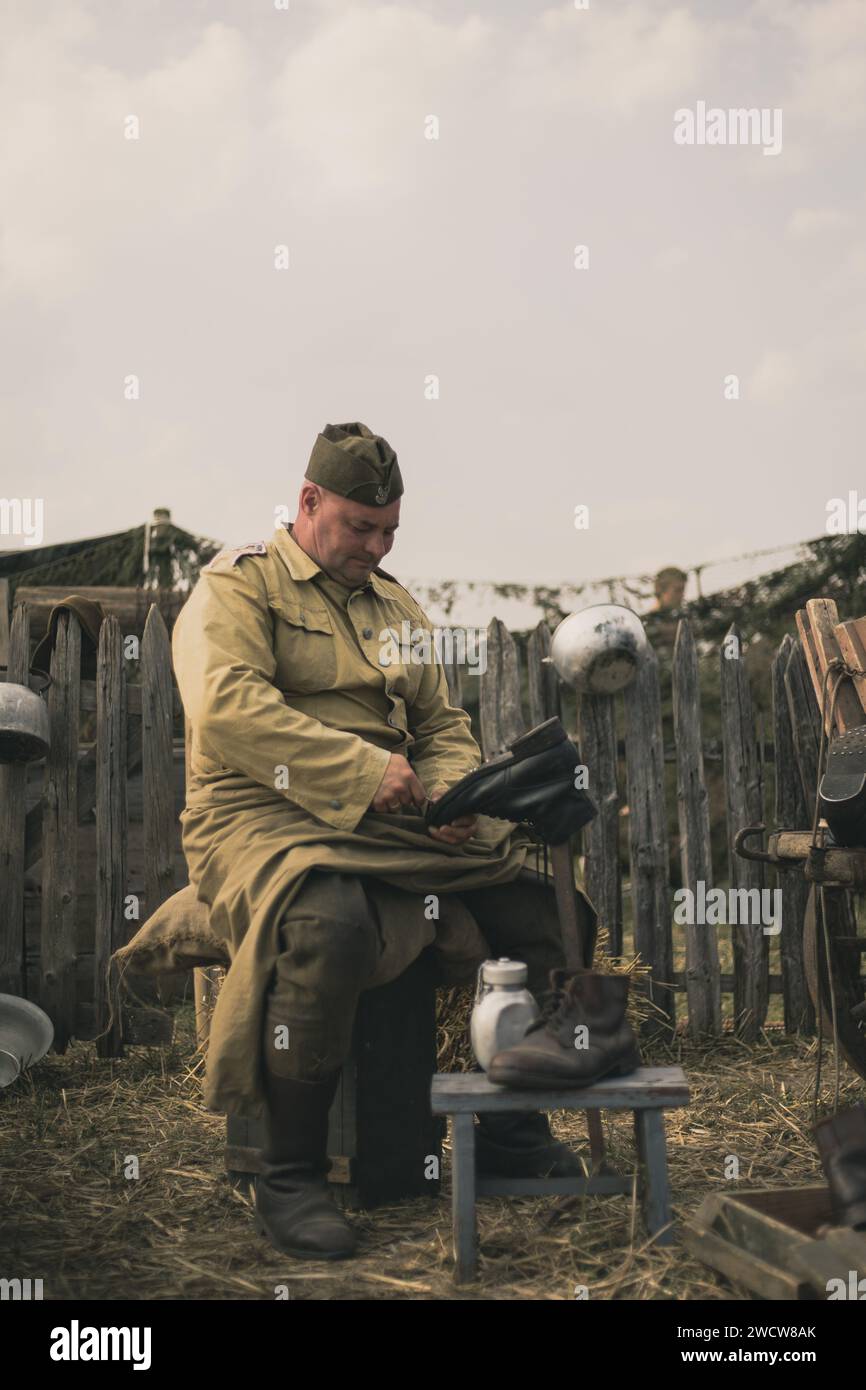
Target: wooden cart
{"x":832,"y":948}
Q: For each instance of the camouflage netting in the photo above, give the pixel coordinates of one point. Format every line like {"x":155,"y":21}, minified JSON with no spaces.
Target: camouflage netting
{"x":174,"y":560}
{"x":829,"y":567}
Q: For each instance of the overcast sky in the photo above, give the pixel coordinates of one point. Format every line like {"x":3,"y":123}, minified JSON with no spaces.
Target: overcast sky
{"x":453,"y":258}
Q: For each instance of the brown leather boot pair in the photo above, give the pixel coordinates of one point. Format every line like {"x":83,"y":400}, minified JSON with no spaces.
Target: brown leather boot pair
{"x":582,"y":1035}
{"x":293,"y":1208}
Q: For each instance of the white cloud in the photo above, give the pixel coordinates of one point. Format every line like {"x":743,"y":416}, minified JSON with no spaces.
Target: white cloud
{"x":351,"y":102}
{"x":671,"y":258}
{"x":411,"y":256}
{"x":774,"y":378}
{"x":809,"y":222}
{"x":76,"y":189}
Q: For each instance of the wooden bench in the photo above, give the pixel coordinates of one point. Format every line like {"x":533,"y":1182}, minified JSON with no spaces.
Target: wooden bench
{"x":648,"y":1091}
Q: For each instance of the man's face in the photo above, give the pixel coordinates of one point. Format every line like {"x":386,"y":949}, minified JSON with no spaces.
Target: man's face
{"x":672,"y":594}
{"x":349,"y":539}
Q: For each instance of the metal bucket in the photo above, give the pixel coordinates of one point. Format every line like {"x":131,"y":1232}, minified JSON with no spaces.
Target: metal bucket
{"x":24,"y":726}
{"x":598,"y":650}
{"x":26,"y":1033}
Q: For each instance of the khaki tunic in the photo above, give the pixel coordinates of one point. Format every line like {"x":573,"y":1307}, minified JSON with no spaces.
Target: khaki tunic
{"x":293,"y":718}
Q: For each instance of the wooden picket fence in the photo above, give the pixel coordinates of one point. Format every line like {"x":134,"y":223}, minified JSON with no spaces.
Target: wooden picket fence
{"x":135,"y":721}
{"x":134,"y":730}
{"x":636,"y":717}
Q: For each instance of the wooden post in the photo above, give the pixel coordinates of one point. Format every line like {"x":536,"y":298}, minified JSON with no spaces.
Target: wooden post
{"x":648,"y":836}
{"x":158,"y":811}
{"x":111,"y":821}
{"x":791,"y":811}
{"x":157,"y":716}
{"x":744,"y":795}
{"x":13,"y":788}
{"x":58,"y":956}
{"x":597,"y":723}
{"x":817,"y":627}
{"x":542,"y":680}
{"x":545,"y":703}
{"x":805,"y":720}
{"x":86,"y":773}
{"x":500,"y":714}
{"x":4,"y":626}
{"x":702,"y":949}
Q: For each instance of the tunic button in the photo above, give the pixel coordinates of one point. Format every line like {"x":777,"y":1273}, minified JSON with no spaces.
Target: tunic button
{"x":336,"y":805}
{"x":368,"y":632}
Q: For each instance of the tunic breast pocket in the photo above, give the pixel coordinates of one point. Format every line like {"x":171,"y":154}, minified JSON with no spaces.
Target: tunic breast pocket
{"x":304,"y":648}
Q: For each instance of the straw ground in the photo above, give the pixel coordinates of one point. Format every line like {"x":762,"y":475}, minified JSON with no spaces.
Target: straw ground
{"x":72,"y":1215}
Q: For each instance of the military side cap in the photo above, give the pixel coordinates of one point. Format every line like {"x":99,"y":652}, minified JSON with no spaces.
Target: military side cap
{"x":354,"y":462}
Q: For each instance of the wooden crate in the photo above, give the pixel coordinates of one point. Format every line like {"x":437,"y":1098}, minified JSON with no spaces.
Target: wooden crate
{"x":383,"y":1141}
{"x":766,"y":1241}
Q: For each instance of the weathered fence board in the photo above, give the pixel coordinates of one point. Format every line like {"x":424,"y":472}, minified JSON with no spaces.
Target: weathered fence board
{"x":157,"y":715}
{"x":702,"y":950}
{"x":541,"y":678}
{"x":822,"y":618}
{"x":805,"y":722}
{"x":13,"y":781}
{"x":110,"y":827}
{"x":500,"y":715}
{"x":597,"y":723}
{"x":648,"y":837}
{"x":744,"y":797}
{"x":790,"y":810}
{"x":59,"y":827}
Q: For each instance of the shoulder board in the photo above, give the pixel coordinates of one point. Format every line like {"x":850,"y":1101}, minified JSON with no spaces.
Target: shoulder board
{"x":235,"y":553}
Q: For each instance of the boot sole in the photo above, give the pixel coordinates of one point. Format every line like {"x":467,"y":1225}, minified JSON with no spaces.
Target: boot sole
{"x":525,"y":1081}
{"x":299,"y":1253}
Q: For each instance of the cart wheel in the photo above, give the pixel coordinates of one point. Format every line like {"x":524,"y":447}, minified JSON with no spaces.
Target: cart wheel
{"x":845,"y":963}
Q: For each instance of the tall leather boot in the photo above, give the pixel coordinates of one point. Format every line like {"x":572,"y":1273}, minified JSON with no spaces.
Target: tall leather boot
{"x":841,"y":1140}
{"x":582,"y":1035}
{"x":519,"y":1144}
{"x":293,"y":1208}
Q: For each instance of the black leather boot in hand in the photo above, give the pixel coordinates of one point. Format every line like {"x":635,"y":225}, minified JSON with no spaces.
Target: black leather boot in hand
{"x":293,"y":1208}
{"x":533,"y":783}
{"x":582,"y":1036}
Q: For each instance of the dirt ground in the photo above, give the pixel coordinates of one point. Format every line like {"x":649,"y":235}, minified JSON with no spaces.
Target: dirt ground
{"x":72,"y":1217}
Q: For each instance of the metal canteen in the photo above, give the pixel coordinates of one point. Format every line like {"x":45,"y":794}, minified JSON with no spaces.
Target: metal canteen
{"x":26,"y":1033}
{"x":503,"y":1009}
{"x":24,"y":727}
{"x":598,"y":650}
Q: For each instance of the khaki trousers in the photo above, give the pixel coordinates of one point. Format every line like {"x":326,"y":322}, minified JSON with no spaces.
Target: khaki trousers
{"x":331,"y":947}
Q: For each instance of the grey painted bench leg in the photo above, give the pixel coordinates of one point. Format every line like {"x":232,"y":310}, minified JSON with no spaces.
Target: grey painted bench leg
{"x":463,"y":1195}
{"x":652,"y":1151}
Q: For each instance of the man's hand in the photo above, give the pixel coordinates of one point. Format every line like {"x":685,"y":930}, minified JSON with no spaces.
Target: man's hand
{"x":399,"y":787}
{"x":459,"y":831}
